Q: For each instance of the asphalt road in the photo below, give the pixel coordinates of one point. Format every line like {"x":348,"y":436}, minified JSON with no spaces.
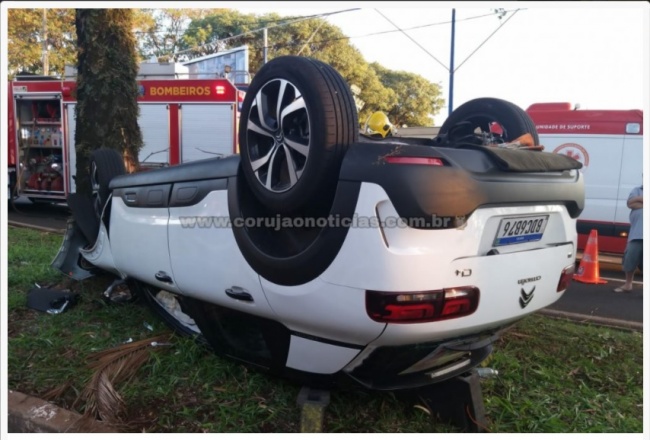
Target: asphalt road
{"x":586,"y":300}
{"x":45,"y":215}
{"x":601,"y":300}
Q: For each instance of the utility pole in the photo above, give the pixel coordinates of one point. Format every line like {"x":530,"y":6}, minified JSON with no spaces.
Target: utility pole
{"x":500,"y":14}
{"x":46,"y":64}
{"x":266,"y":43}
{"x":451,"y":62}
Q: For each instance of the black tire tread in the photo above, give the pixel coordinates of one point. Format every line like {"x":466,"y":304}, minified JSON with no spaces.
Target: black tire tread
{"x":518,"y":121}
{"x":109,"y":165}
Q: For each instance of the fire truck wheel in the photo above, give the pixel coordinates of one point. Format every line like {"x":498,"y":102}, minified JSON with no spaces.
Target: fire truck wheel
{"x":481,"y":113}
{"x":105,"y":164}
{"x":297,"y":121}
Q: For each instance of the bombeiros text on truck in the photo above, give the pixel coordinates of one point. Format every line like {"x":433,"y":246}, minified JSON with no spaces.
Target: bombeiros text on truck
{"x":181,"y":119}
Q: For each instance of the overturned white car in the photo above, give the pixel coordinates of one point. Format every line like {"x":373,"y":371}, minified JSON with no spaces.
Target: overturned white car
{"x":319,"y":254}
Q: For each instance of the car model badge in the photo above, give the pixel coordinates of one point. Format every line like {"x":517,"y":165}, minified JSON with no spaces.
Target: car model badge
{"x":526,"y":297}
{"x":529,"y":280}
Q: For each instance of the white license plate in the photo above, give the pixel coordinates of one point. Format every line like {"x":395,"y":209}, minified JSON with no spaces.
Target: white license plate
{"x":515,"y":230}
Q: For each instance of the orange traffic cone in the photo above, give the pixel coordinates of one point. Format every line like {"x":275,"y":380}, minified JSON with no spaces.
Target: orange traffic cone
{"x":589,"y":271}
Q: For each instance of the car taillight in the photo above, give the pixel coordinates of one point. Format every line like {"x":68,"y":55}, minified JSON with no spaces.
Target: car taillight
{"x":412,"y":307}
{"x":565,"y":278}
{"x":409,"y":160}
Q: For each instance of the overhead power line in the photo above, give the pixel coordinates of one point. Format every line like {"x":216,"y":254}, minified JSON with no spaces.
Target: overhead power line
{"x":501,"y":12}
{"x":489,"y":36}
{"x":412,"y":39}
{"x":222,"y":40}
{"x":372,"y":34}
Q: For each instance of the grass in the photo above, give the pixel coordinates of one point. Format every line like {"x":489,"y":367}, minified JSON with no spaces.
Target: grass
{"x":555,"y":375}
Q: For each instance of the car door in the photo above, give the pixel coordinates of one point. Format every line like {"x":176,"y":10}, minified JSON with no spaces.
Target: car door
{"x":205,"y":258}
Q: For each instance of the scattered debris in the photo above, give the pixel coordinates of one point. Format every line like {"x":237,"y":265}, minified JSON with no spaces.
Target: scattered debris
{"x":487,"y":373}
{"x":112,"y":367}
{"x":160,"y":344}
{"x":117,"y":292}
{"x":148,"y":326}
{"x":51,"y":301}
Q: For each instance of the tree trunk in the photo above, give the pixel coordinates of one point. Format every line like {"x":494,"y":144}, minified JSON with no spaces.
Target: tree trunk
{"x":107,"y":91}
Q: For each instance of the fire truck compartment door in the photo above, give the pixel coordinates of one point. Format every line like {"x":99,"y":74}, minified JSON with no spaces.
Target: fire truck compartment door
{"x":70,"y":147}
{"x":207,"y":131}
{"x":154,"y":125}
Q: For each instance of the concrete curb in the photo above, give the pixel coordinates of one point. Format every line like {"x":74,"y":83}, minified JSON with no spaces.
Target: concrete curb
{"x":38,"y":228}
{"x":30,"y":414}
{"x":599,"y":320}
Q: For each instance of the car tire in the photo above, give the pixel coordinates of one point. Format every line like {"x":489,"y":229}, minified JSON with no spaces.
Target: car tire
{"x":297,"y":121}
{"x":169,"y":308}
{"x":482,"y":112}
{"x":105,"y":164}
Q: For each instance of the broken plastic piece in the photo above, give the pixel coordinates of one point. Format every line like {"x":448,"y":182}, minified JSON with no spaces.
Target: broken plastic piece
{"x":51,"y":301}
{"x":109,"y":290}
{"x":57,"y":310}
{"x":148,"y":326}
{"x":119,"y":296}
{"x":525,"y":140}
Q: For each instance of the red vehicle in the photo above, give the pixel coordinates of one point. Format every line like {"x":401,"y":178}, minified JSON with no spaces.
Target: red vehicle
{"x":609,"y":143}
{"x":181,"y":120}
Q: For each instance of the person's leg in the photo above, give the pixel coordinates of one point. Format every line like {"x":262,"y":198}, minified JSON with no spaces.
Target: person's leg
{"x":631,"y":259}
{"x":629,"y":277}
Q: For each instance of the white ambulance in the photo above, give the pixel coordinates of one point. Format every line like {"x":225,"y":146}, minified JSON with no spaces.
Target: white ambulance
{"x":609,"y":143}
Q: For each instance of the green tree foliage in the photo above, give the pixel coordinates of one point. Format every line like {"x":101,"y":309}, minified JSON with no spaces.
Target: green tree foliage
{"x":313,"y":38}
{"x":107,"y":91}
{"x":160,"y":31}
{"x":417,"y":98}
{"x":25,"y":40}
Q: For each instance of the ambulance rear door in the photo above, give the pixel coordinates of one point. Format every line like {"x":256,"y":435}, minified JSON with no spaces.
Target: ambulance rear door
{"x":601,"y":158}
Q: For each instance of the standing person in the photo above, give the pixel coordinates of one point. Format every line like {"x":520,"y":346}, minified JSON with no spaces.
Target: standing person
{"x":633,"y":256}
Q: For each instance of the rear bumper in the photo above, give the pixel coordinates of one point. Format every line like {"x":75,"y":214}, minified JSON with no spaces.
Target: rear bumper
{"x":417,"y":365}
{"x":469,"y":179}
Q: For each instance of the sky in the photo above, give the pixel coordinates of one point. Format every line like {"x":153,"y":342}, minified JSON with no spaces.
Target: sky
{"x":591,"y":54}
{"x":595,"y":56}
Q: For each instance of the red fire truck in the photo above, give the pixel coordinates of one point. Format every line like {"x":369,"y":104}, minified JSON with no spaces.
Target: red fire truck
{"x":609,"y":143}
{"x":181,"y":120}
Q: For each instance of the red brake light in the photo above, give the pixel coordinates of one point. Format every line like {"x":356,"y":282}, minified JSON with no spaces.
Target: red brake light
{"x":456,"y":307}
{"x":406,"y":160}
{"x":410,"y":307}
{"x":401,"y":313}
{"x":565,"y":278}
